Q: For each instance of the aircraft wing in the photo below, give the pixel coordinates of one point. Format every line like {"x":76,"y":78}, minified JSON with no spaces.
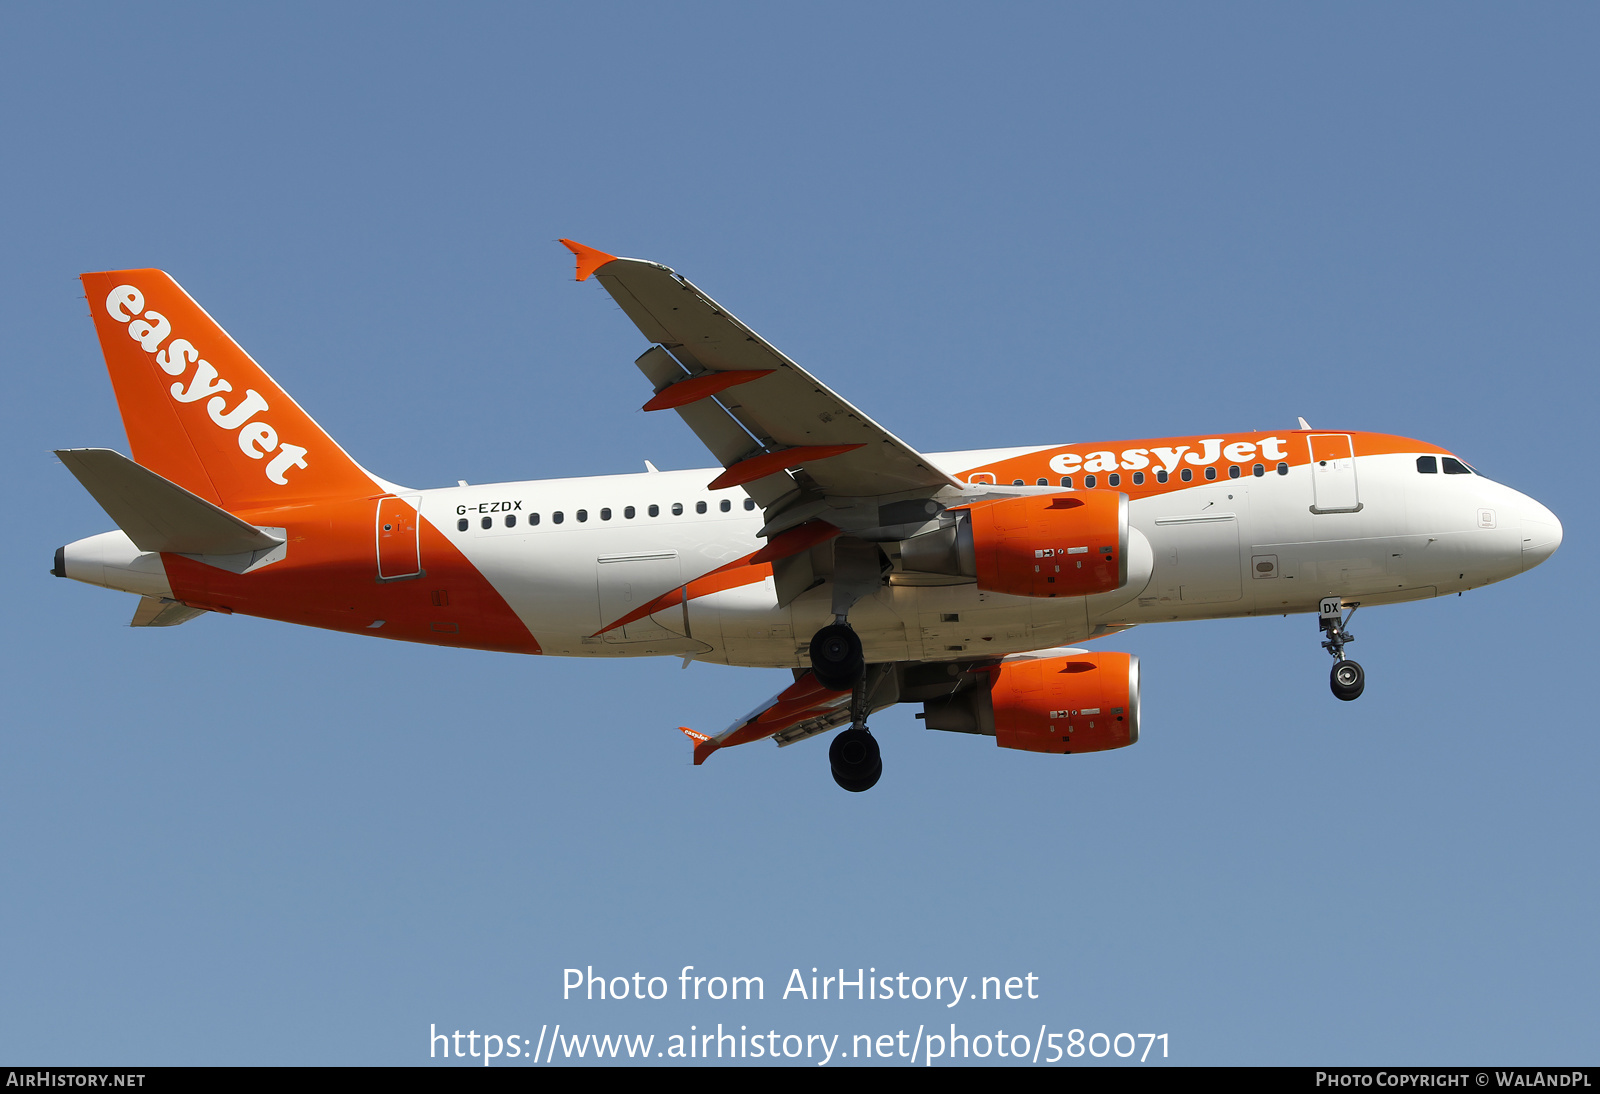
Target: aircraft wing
{"x":803,"y":709}
{"x":761,"y":414}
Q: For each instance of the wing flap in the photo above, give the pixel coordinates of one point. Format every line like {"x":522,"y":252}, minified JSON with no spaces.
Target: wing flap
{"x":801,"y":704}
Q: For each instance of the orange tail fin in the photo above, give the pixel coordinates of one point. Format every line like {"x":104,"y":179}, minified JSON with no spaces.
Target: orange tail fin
{"x":199,"y":411}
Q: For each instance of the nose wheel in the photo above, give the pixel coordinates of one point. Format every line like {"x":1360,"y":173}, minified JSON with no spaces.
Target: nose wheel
{"x":1347,"y":680}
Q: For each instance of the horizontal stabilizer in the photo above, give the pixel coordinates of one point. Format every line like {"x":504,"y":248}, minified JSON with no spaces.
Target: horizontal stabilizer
{"x":157,"y":514}
{"x":158,"y":611}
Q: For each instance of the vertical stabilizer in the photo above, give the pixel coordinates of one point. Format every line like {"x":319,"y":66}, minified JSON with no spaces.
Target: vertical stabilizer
{"x":199,"y":411}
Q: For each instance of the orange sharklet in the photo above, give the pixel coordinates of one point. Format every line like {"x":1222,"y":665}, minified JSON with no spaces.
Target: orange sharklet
{"x":589,"y":259}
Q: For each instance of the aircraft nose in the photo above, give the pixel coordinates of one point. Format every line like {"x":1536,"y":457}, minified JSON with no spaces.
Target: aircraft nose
{"x":1541,"y":534}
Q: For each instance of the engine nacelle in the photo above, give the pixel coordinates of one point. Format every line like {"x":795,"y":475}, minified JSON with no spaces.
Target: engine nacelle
{"x":1083,"y":703}
{"x":1043,"y":546}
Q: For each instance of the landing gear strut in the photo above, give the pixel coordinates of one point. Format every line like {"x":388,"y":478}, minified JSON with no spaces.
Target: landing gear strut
{"x":1347,"y":679}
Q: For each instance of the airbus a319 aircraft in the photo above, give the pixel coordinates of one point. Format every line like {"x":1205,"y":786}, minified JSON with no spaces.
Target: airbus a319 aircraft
{"x":822,"y":543}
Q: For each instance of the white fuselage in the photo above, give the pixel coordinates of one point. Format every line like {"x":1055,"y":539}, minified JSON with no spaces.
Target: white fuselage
{"x":1233,"y":547}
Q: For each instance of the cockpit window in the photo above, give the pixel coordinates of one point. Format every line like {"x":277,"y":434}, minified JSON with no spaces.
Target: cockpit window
{"x":1427,"y":465}
{"x":1453,"y":466}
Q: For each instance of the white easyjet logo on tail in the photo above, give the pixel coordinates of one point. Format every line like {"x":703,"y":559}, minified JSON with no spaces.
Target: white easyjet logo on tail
{"x":125,"y":304}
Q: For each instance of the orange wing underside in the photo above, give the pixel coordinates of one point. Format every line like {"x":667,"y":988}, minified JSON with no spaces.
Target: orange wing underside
{"x":795,"y":705}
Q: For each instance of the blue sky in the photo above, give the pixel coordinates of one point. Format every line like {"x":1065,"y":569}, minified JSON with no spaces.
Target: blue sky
{"x":241,"y":842}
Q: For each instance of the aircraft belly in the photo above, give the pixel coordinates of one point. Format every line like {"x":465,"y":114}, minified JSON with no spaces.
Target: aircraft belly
{"x":744,"y":625}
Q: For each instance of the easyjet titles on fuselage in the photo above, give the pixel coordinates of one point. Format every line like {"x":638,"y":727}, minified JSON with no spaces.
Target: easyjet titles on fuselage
{"x":1137,"y":459}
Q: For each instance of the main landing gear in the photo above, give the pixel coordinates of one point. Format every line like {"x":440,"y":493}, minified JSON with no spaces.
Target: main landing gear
{"x":838,"y":663}
{"x":836,"y":657}
{"x":1347,"y":679}
{"x":855,"y":760}
{"x":853,"y":755}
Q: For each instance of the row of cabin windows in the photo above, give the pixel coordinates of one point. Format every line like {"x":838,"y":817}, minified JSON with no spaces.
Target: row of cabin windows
{"x":1186,"y":475}
{"x":628,"y":513}
{"x":1428,"y":465}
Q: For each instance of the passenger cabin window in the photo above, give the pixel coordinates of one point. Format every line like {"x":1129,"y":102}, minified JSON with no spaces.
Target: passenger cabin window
{"x":1186,"y":475}
{"x":628,"y":512}
{"x":488,"y":522}
{"x":749,"y":503}
{"x":1211,"y":472}
{"x":1283,"y":469}
{"x":1453,"y":466}
{"x":1044,"y":482}
{"x":1138,"y":478}
{"x":1233,"y":471}
{"x":655,"y":510}
{"x":677,"y":508}
{"x":1258,"y":470}
{"x":1427,"y":465}
{"x":511,"y":520}
{"x":605,"y":514}
{"x":1016,"y":482}
{"x":699,"y":507}
{"x":1113,"y":479}
{"x":583,"y":515}
{"x":1088,"y":482}
{"x":725,"y":505}
{"x":461,"y":525}
{"x":1066,"y":480}
{"x":1161,"y":476}
{"x":557,"y":516}
{"x":533,"y":518}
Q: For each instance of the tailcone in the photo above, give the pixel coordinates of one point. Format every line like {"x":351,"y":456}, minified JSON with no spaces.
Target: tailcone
{"x":111,"y":561}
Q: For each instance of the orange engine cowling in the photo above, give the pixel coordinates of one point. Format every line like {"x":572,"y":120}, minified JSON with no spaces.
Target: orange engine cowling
{"x":1082,"y":703}
{"x":1054,"y":545}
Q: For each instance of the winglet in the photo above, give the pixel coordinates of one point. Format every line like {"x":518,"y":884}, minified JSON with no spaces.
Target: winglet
{"x":703,"y":745}
{"x":589,"y":259}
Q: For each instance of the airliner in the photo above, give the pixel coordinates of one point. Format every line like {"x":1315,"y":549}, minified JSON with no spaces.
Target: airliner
{"x":876,"y":574}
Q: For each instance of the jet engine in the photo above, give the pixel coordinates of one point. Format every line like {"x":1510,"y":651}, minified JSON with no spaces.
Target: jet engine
{"x":1043,"y":546}
{"x":1080,"y":703}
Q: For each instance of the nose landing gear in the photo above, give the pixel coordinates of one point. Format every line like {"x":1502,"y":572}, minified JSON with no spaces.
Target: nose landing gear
{"x":1347,"y":680}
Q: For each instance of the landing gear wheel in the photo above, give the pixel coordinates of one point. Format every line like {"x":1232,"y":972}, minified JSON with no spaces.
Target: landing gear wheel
{"x":855,"y":760}
{"x":1347,"y":680}
{"x":836,"y":658}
